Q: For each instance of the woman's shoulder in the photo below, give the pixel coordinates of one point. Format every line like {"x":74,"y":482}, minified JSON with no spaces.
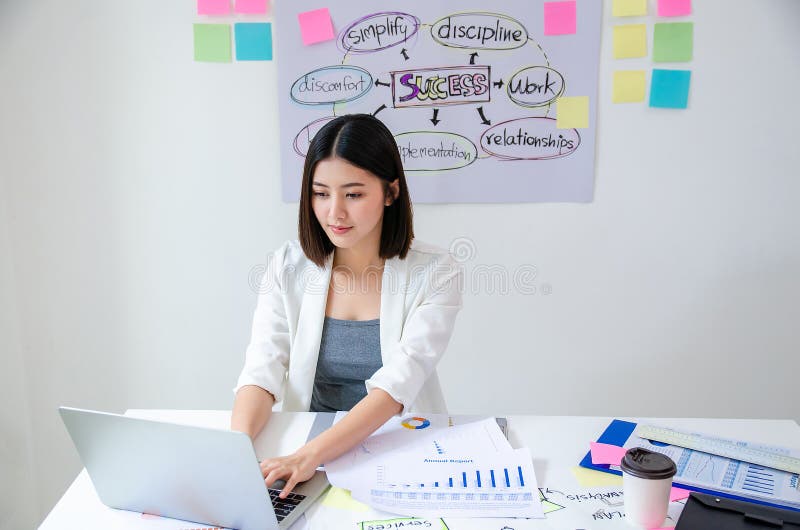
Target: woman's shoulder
{"x":423,"y":247}
{"x":423,"y":253}
{"x":290,"y":252}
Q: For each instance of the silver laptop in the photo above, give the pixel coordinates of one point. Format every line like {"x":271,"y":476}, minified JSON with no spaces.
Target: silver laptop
{"x":208,"y":476}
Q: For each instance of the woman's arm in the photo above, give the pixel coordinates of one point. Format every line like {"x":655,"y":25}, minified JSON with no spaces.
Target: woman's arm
{"x":362,"y":420}
{"x":252,"y":409}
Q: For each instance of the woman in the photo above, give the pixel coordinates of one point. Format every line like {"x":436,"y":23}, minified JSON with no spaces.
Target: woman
{"x":353,"y":316}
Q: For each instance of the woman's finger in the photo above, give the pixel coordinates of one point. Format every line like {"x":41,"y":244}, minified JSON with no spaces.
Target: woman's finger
{"x":266,"y":467}
{"x":274,"y":475}
{"x":290,"y":484}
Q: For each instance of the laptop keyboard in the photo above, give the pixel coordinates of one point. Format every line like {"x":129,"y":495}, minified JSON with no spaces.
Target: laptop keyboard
{"x":283,"y":507}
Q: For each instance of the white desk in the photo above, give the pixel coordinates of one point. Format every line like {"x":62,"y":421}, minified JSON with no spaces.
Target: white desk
{"x":557,"y":444}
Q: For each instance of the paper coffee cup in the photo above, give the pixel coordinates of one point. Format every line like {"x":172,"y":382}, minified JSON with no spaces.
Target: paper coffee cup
{"x":646,"y":483}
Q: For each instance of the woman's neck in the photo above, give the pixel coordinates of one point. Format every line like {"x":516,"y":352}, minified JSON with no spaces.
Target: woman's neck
{"x":358,"y":261}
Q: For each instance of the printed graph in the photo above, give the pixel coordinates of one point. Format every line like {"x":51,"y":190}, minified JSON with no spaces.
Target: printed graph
{"x":503,"y":486}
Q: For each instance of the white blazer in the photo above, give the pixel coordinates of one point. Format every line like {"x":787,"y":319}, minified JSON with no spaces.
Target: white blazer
{"x":420,"y":298}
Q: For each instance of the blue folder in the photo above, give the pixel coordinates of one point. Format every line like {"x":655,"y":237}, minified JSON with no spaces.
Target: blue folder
{"x":618,"y":432}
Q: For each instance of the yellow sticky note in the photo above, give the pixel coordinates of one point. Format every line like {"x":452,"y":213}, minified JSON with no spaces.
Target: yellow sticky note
{"x":629,"y":8}
{"x":630,"y":40}
{"x":572,"y":112}
{"x":341,"y":499}
{"x":629,"y":86}
{"x":589,"y":478}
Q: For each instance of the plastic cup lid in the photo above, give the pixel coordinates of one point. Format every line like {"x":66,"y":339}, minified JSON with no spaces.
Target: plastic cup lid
{"x":643,"y":463}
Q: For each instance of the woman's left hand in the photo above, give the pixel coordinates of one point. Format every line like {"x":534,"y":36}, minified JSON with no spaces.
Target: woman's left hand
{"x":294,"y":468}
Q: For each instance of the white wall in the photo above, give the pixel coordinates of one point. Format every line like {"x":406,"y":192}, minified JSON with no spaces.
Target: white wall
{"x":141,"y":188}
{"x":17,"y":493}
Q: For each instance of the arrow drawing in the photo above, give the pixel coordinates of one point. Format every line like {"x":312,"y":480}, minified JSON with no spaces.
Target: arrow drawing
{"x":485,"y":121}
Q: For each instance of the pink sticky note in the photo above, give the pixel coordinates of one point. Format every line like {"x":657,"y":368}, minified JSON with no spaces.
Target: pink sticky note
{"x":674,"y":8}
{"x":316,"y":26}
{"x":559,"y":18}
{"x":213,"y":7}
{"x":250,"y":7}
{"x":606,"y":454}
{"x":678,"y":494}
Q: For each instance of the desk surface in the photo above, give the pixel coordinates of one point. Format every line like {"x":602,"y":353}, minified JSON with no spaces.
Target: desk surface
{"x":557,"y":444}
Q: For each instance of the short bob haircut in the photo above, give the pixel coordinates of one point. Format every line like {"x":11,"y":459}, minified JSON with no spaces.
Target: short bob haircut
{"x":364,"y":141}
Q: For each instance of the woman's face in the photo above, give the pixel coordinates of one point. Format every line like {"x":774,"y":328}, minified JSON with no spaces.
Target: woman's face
{"x":348,"y":202}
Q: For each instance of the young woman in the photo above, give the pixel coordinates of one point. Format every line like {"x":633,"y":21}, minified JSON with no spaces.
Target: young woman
{"x":354,"y":316}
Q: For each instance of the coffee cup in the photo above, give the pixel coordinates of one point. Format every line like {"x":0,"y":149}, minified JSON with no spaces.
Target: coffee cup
{"x":646,"y":484}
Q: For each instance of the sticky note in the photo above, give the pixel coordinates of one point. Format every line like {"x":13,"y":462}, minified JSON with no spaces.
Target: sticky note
{"x":213,"y":7}
{"x":341,"y":498}
{"x":674,"y":8}
{"x":560,"y":18}
{"x":253,"y":41}
{"x":629,"y":8}
{"x":606,"y":453}
{"x":630,"y":40}
{"x":250,"y":7}
{"x":677,"y":494}
{"x":572,"y":112}
{"x":316,"y":26}
{"x":589,"y":478}
{"x":672,"y":42}
{"x":629,"y":86}
{"x":212,"y":43}
{"x":670,"y":88}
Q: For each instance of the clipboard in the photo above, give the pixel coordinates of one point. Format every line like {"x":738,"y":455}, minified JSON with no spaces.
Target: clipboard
{"x":618,"y":432}
{"x":710,"y":511}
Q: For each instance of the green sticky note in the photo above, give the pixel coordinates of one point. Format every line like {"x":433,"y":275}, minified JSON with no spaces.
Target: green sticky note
{"x":673,"y":42}
{"x":212,"y":43}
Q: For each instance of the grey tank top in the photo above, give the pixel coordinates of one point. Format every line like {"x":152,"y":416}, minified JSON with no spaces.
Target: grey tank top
{"x":349,"y":353}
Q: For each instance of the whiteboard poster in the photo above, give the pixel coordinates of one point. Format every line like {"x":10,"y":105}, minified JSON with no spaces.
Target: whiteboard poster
{"x":469,"y":94}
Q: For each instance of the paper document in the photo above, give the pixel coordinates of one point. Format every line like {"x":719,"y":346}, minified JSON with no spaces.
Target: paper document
{"x":499,"y":485}
{"x":419,"y":466}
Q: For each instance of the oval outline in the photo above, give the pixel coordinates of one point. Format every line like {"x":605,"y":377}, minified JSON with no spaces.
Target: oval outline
{"x":548,"y":102}
{"x":498,"y":15}
{"x":504,"y":157}
{"x":306,"y":127}
{"x":332,"y":67}
{"x":441,"y":133}
{"x":340,"y":40}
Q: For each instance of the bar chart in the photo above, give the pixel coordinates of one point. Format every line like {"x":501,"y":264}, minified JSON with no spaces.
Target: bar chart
{"x":506,"y":485}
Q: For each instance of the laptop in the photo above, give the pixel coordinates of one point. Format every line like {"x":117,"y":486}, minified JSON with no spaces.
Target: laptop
{"x":198,"y":474}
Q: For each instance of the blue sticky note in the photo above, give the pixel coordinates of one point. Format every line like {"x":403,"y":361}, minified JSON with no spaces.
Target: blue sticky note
{"x":253,"y":41}
{"x":670,"y":88}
